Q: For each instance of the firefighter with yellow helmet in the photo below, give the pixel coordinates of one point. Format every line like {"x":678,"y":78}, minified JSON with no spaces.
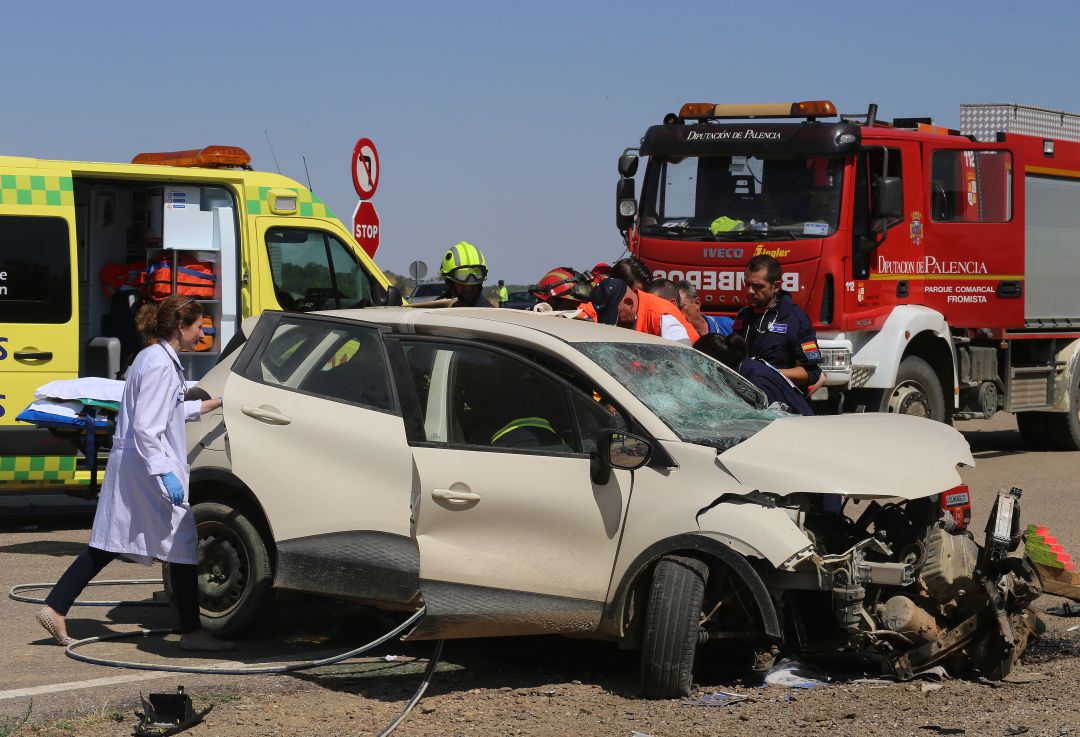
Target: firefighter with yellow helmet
{"x":464,"y":270}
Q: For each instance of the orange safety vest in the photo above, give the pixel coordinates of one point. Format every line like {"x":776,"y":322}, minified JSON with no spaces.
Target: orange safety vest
{"x":589,"y":312}
{"x":652,"y":308}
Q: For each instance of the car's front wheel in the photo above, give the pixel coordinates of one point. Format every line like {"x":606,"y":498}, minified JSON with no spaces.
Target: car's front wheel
{"x":235,"y":569}
{"x":672,"y":625}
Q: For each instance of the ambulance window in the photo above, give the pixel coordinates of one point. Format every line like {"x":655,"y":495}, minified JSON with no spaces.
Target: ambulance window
{"x":313,"y":270}
{"x":35,"y":270}
{"x":971,"y":186}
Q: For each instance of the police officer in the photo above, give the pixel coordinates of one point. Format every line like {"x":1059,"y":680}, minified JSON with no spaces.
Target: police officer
{"x":464,"y":269}
{"x":775,"y":329}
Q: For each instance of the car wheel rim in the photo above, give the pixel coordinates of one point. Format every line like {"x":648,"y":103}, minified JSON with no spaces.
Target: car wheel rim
{"x":910,"y":399}
{"x":223,"y":569}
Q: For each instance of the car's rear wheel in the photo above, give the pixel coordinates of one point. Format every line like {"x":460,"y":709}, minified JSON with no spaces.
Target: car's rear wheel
{"x":672,"y":623}
{"x":235,"y":570}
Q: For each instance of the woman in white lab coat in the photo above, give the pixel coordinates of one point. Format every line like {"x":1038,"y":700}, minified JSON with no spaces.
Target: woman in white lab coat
{"x":142,"y":512}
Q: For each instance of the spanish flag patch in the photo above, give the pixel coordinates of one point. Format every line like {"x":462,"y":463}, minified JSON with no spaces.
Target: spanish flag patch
{"x":809,"y":346}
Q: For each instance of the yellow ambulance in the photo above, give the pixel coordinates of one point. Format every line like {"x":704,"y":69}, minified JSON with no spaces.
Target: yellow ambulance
{"x":82,"y":243}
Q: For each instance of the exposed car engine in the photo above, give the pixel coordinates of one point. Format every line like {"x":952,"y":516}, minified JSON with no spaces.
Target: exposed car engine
{"x":912,"y":589}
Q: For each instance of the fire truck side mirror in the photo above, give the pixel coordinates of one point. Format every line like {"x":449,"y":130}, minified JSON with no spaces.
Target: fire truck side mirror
{"x":888,"y":198}
{"x":625,"y":204}
{"x":628,"y":166}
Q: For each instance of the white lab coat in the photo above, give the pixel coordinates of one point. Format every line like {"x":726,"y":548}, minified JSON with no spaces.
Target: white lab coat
{"x":134,"y":515}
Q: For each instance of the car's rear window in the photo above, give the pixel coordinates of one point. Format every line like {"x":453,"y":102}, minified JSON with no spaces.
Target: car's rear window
{"x":335,"y":360}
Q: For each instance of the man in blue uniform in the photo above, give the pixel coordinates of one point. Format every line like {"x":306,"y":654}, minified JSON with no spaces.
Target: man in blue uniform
{"x":775,"y":329}
{"x":730,"y":350}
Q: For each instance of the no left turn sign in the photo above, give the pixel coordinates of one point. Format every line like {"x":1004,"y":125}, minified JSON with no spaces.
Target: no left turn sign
{"x":365,"y":168}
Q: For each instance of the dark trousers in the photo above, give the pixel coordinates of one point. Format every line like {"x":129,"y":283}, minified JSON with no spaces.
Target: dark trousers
{"x":183,"y":577}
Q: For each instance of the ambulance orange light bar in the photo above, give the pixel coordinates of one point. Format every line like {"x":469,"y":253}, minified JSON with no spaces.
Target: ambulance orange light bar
{"x":211,"y":156}
{"x":807,"y":109}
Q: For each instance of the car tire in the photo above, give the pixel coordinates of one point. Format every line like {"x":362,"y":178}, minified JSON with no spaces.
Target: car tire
{"x":917,"y":391}
{"x":235,"y":570}
{"x":672,"y":621}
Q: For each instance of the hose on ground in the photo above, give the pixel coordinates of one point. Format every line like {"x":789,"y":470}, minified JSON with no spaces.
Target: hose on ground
{"x":15,"y":594}
{"x":224,"y":670}
{"x":419,"y":691}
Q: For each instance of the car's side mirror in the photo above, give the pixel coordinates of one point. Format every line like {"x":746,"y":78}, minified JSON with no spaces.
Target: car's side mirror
{"x":617,"y":449}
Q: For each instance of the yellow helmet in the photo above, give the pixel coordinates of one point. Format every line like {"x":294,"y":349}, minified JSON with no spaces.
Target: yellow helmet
{"x":464,"y":263}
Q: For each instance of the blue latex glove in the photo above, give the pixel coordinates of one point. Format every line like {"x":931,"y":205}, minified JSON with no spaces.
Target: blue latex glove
{"x":174,"y":487}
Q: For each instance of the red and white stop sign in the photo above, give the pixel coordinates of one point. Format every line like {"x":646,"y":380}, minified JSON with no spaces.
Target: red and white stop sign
{"x":366,"y":227}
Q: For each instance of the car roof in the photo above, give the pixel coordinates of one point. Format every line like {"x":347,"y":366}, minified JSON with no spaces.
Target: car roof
{"x":467,"y":321}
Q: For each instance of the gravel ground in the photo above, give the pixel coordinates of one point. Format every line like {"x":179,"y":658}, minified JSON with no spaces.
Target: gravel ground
{"x":482,"y":689}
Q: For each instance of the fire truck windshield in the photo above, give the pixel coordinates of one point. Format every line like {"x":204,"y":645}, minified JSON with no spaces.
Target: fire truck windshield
{"x":740,"y":197}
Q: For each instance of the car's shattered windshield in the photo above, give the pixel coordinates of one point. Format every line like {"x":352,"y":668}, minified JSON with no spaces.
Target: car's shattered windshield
{"x":694,"y":395}
{"x":732,"y":198}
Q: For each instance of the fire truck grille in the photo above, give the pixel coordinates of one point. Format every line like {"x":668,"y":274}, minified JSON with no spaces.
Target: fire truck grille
{"x":860,"y":375}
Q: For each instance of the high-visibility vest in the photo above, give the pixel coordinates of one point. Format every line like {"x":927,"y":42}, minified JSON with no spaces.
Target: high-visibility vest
{"x":588,"y":312}
{"x":504,"y":432}
{"x":652,"y":308}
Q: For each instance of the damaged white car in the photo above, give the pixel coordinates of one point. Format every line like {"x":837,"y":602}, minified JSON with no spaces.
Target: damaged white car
{"x":517,"y":473}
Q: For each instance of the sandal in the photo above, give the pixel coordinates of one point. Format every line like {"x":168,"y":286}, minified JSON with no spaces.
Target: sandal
{"x":44,"y":618}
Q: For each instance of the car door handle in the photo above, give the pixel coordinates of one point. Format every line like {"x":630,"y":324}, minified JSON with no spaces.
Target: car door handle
{"x":265,"y":415}
{"x":455,"y":497}
{"x":32,"y":355}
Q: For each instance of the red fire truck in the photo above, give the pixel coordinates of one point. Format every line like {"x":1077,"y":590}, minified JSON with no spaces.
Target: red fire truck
{"x":938,"y":266}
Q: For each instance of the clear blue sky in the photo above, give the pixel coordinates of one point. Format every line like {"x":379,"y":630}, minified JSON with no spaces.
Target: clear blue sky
{"x":497,"y":123}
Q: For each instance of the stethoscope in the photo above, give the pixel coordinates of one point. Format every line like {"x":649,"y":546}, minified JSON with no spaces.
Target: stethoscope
{"x":179,"y":371}
{"x":761,"y":322}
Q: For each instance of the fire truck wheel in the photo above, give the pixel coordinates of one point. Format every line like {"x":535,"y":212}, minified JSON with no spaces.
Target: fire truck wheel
{"x":1035,"y":429}
{"x":1064,"y":427}
{"x":917,"y":391}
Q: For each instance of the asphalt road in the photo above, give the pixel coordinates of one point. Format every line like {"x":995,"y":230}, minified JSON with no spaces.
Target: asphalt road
{"x":36,"y":544}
